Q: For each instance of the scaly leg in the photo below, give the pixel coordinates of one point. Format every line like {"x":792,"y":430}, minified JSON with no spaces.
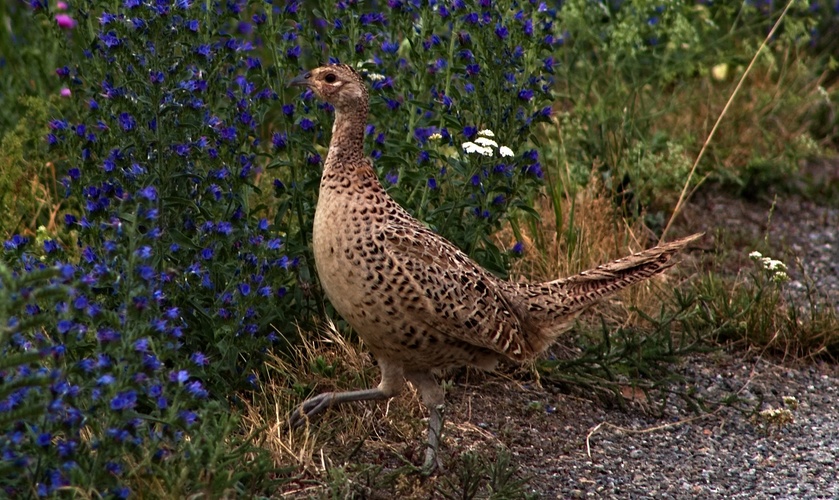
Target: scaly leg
{"x":434,"y":399}
{"x":391,"y":385}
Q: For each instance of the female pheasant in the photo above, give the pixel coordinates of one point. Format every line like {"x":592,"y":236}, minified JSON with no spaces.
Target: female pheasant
{"x":419,"y":303}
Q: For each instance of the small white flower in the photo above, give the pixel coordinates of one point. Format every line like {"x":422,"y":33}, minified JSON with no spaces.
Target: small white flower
{"x":435,"y":137}
{"x":483,"y":141}
{"x":487,"y":133}
{"x":505,"y":151}
{"x":791,"y":402}
{"x":376,"y":77}
{"x":773,"y":265}
{"x":755,"y":255}
{"x":780,"y":277}
{"x":471,"y":147}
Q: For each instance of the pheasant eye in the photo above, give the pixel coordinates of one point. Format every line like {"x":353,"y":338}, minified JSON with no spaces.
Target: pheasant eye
{"x":330,"y":78}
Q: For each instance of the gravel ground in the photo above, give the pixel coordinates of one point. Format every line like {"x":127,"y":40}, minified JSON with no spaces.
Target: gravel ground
{"x":803,"y":234}
{"x":810,"y":235}
{"x":728,"y":453}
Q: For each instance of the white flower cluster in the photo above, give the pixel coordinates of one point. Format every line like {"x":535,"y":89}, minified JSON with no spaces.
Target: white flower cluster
{"x":483,"y":145}
{"x":776,"y":268}
{"x":777,"y":416}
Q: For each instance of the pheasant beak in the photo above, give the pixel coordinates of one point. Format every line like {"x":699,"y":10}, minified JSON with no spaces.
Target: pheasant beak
{"x":301,"y":80}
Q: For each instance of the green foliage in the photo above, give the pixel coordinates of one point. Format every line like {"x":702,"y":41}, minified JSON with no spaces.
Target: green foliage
{"x":165,"y":163}
{"x":755,"y":310}
{"x":178,"y":280}
{"x":641,"y":87}
{"x":435,"y":85}
{"x":30,"y":193}
{"x":824,"y":117}
{"x":478,"y":476}
{"x":24,"y":369}
{"x":216,"y":462}
{"x":27,"y":63}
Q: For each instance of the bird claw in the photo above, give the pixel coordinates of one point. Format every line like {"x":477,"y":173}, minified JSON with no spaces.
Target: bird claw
{"x":309,"y":409}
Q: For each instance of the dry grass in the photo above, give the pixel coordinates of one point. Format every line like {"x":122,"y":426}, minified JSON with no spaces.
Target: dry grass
{"x":368,"y":449}
{"x":767,"y":115}
{"x":601,"y":235}
{"x":388,"y":429}
{"x":33,"y":192}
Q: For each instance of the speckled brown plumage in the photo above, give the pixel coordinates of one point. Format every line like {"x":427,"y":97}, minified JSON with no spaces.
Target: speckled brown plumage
{"x":419,"y":303}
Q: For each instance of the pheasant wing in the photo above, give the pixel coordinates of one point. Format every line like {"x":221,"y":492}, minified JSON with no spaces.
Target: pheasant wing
{"x":462,"y":300}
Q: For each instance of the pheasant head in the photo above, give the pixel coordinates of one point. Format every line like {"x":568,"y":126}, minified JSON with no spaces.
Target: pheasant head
{"x":338,"y":84}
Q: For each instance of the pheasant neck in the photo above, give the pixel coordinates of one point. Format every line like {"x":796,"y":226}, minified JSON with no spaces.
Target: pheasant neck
{"x":346,"y":149}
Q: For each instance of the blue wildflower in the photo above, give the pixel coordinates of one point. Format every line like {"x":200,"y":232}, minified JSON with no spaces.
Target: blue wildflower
{"x":199,"y":359}
{"x":110,"y":39}
{"x":124,"y":400}
{"x":44,"y":439}
{"x":127,"y":122}
{"x":149,"y":193}
{"x":196,"y":389}
{"x":189,"y":417}
{"x":180,"y":376}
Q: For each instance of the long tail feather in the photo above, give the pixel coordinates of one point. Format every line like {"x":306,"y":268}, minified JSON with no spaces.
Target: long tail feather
{"x":551,"y":307}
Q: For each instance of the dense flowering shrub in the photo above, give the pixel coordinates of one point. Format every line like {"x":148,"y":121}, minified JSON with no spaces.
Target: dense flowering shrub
{"x":178,"y":283}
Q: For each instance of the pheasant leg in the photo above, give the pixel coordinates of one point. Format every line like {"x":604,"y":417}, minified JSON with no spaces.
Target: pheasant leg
{"x":391,"y":385}
{"x":434,"y":398}
{"x":316,"y":405}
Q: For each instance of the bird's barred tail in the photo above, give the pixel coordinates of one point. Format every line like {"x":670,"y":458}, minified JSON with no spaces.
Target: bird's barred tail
{"x":553,"y":305}
{"x":589,"y":286}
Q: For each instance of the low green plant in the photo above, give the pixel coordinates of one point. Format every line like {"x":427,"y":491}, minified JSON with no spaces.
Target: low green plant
{"x":634,"y":359}
{"x":477,"y":475}
{"x":754,"y":310}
